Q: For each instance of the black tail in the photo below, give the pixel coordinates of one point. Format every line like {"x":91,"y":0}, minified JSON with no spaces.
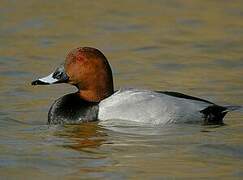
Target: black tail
{"x":215,"y":114}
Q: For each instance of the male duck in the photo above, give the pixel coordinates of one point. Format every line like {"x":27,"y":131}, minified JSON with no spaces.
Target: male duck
{"x":88,"y":69}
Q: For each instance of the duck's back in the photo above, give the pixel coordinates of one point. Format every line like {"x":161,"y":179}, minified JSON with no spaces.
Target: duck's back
{"x":152,"y":107}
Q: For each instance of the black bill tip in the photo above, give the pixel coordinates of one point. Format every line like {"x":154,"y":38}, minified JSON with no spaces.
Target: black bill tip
{"x":38,"y":82}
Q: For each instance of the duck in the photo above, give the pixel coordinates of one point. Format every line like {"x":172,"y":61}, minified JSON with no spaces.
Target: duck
{"x":89,"y":71}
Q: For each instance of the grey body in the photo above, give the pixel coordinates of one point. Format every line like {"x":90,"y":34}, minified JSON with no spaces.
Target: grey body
{"x":137,"y":105}
{"x":159,"y":108}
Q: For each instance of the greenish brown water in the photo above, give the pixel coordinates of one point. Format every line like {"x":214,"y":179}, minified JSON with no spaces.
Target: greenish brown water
{"x":194,"y":47}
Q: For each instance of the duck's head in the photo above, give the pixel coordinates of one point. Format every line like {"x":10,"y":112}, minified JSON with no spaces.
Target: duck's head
{"x":87,"y":69}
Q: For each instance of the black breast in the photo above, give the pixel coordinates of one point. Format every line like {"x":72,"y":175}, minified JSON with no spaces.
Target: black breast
{"x":70,"y":109}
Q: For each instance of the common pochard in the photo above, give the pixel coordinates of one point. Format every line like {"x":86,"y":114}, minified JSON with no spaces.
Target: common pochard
{"x":89,"y":70}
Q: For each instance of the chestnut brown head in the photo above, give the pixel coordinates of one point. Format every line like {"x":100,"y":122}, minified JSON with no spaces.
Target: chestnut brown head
{"x":87,"y":69}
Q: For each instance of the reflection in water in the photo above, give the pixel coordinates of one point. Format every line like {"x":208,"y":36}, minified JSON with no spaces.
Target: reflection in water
{"x":83,"y":136}
{"x":209,"y":128}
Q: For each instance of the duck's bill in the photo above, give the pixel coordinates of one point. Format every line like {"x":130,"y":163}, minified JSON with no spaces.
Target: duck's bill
{"x":59,"y":76}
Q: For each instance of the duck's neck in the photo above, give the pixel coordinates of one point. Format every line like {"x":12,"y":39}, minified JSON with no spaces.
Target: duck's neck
{"x":95,"y":88}
{"x":95,"y":95}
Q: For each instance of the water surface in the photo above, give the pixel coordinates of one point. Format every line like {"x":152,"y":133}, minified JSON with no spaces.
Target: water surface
{"x":194,"y":47}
